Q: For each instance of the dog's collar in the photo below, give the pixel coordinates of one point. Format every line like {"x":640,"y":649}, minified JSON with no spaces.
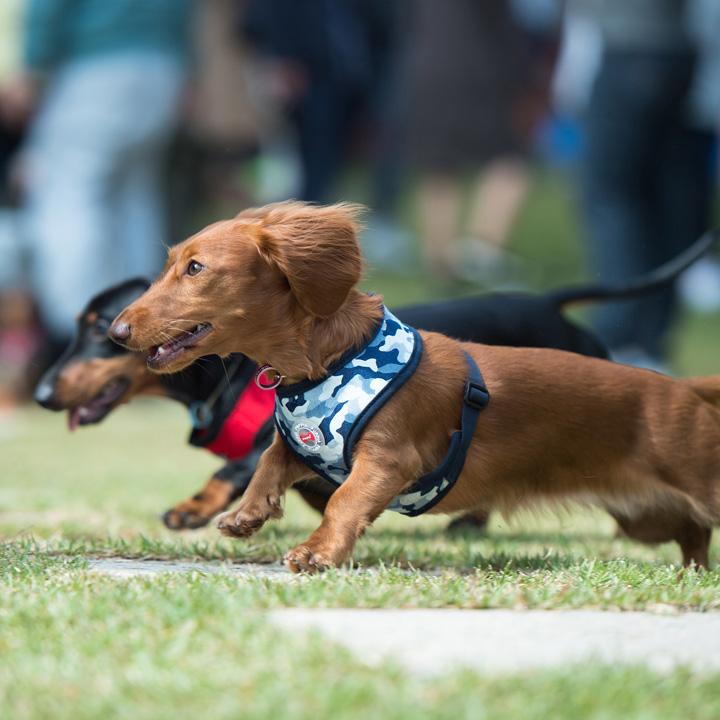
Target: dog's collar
{"x":238,"y":418}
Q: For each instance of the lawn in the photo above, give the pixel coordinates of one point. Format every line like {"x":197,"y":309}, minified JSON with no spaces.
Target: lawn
{"x":77,"y":645}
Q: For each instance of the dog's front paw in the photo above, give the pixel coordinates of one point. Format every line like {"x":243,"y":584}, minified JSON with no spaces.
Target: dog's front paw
{"x":305,"y":559}
{"x":319,"y":552}
{"x":235,"y":524}
{"x":245,"y":520}
{"x":198,"y":510}
{"x":178,"y":518}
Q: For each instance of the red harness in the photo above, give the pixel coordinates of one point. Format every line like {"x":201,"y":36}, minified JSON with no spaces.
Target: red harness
{"x":236,"y":438}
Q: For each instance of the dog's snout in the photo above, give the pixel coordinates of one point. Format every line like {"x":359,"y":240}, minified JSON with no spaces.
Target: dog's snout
{"x":119,"y":331}
{"x":45,"y":395}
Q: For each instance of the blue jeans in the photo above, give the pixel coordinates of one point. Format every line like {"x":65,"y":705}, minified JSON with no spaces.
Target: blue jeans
{"x":95,"y":211}
{"x":647,"y":187}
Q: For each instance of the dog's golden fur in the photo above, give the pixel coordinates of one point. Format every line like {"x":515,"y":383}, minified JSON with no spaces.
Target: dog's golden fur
{"x":278,"y":284}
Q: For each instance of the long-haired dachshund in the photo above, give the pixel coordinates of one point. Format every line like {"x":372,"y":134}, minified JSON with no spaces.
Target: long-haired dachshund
{"x":405,"y":425}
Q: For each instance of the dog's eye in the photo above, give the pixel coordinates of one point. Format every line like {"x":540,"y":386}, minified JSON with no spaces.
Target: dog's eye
{"x":100,"y":329}
{"x":193,"y":268}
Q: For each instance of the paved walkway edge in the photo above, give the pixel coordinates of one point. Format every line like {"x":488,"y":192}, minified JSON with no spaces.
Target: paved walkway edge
{"x":428,"y":642}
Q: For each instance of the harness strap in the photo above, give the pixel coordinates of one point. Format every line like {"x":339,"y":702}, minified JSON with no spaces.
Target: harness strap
{"x":475,"y":400}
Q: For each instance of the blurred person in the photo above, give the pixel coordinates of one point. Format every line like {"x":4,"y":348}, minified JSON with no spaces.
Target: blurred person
{"x":325,"y":76}
{"x":647,"y":166}
{"x":11,"y":132}
{"x":105,"y":79}
{"x":220,"y":127}
{"x":699,"y":287}
{"x":321,"y":59}
{"x":474,"y":87}
{"x":19,"y":332}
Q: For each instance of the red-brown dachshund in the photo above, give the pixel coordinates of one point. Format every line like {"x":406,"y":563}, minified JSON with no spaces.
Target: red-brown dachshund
{"x":279,"y":285}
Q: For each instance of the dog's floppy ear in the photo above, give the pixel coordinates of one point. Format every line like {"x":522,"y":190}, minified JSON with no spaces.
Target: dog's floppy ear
{"x":315,"y":248}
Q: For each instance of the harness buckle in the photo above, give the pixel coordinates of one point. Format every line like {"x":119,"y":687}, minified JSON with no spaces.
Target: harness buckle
{"x":476,"y":395}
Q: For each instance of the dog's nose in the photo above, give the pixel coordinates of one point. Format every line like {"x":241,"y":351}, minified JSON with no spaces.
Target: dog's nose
{"x":119,"y":331}
{"x":45,"y":395}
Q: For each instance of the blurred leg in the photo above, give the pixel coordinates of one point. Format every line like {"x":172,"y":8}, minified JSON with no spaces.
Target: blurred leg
{"x":140,"y":185}
{"x":323,"y":123}
{"x":98,"y":113}
{"x":68,"y":221}
{"x":497,"y":198}
{"x":438,"y":202}
{"x":141,"y":214}
{"x":634,"y":99}
{"x":684,"y":186}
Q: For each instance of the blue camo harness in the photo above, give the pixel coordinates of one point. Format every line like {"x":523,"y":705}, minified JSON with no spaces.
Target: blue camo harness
{"x":320,"y":421}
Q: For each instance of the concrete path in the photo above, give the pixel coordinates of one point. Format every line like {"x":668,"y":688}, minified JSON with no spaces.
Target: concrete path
{"x":121,"y":567}
{"x":500,"y":641}
{"x":428,"y":642}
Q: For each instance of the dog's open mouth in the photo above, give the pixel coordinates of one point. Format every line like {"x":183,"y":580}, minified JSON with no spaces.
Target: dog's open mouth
{"x":162,"y":355}
{"x":96,"y":409}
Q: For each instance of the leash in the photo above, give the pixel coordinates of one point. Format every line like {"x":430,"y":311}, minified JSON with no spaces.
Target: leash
{"x":201,"y":411}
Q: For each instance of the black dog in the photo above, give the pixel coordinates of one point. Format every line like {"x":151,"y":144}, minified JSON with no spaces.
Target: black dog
{"x":232,"y":417}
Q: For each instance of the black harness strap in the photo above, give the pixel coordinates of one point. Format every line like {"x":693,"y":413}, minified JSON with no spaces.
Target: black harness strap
{"x":475,"y":400}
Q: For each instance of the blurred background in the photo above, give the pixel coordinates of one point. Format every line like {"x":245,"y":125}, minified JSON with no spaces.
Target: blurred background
{"x":499,"y":144}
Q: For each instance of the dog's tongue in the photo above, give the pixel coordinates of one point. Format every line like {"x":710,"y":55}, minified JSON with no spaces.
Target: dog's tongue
{"x":73,"y":419}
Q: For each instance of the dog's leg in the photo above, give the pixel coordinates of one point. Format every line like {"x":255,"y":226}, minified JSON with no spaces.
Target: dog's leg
{"x":373,"y":483}
{"x":475,"y":521}
{"x":199,"y":509}
{"x":316,"y":497}
{"x":694,"y":543}
{"x":226,"y":485}
{"x":277,"y":470}
{"x":664,"y":526}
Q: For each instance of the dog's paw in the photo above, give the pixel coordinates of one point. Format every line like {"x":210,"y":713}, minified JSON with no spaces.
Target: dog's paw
{"x":199,"y":509}
{"x":470,"y":523}
{"x":239,"y":525}
{"x":179,"y":518}
{"x":247,"y":520}
{"x":304,"y":559}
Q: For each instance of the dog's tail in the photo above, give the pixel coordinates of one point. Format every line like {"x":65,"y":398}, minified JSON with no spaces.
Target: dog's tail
{"x":653,"y":280}
{"x":707,"y":387}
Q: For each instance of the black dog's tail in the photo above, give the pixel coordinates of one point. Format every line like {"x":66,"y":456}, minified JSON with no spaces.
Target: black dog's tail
{"x":653,"y":280}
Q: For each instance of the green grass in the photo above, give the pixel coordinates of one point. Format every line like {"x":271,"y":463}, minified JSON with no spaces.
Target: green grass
{"x":189,"y":646}
{"x":77,"y":645}
{"x":99,"y":493}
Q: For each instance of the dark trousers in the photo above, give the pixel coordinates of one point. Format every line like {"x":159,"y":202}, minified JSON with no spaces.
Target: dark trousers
{"x":324,"y":120}
{"x":647,"y":181}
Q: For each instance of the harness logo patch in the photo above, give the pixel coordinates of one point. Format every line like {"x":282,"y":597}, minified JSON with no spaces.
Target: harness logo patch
{"x":308,"y":435}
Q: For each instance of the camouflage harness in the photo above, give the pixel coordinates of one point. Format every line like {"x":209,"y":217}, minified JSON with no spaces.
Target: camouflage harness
{"x":320,"y":421}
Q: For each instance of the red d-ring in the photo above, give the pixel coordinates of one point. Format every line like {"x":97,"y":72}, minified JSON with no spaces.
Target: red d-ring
{"x":262,"y":371}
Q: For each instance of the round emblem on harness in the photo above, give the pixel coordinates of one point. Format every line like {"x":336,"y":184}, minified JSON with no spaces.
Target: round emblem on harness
{"x":309,"y":436}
